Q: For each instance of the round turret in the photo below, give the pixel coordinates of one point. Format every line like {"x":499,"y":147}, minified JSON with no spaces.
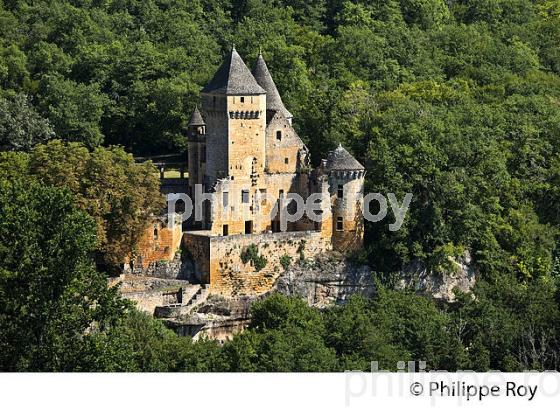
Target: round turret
{"x":196,"y":125}
{"x":340,"y":164}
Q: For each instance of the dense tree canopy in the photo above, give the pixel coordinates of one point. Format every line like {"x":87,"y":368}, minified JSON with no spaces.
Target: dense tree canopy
{"x":457,"y":102}
{"x":20,"y":126}
{"x":54,"y":306}
{"x":118,"y":193}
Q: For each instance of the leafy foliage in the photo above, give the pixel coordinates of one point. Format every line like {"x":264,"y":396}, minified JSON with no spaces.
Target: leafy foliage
{"x":285,"y":261}
{"x":456,"y":102}
{"x":21,"y":127}
{"x":251,"y":254}
{"x":107,"y":183}
{"x":54,"y":306}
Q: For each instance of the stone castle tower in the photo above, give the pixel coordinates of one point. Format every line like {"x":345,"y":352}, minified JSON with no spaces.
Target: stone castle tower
{"x":242,"y":148}
{"x":245,"y":155}
{"x":244,"y":152}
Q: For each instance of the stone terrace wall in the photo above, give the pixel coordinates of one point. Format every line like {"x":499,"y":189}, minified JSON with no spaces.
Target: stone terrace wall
{"x":229,"y":276}
{"x":197,"y":249}
{"x":148,"y":300}
{"x":158,"y":243}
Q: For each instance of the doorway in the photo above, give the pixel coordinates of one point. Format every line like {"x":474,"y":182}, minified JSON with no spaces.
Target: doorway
{"x":248,"y":227}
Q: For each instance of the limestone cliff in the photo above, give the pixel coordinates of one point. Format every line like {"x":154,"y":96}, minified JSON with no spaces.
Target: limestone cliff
{"x":331,"y":278}
{"x":327,"y":279}
{"x":440,"y":285}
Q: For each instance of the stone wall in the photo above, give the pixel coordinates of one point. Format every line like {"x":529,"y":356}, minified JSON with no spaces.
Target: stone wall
{"x":346,"y":211}
{"x":246,"y":135}
{"x":230,"y":276}
{"x":148,"y":299}
{"x":214,"y":111}
{"x":157,"y":244}
{"x":196,"y":160}
{"x":164,"y":269}
{"x":196,"y":249}
{"x":231,"y":211}
{"x":282,"y":146}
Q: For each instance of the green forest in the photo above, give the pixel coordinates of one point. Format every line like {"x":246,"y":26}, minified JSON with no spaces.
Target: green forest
{"x":457,"y":102}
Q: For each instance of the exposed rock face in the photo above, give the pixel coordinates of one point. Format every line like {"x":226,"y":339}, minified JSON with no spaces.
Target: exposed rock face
{"x":326,"y":280}
{"x":218,"y":318}
{"x":330,"y":279}
{"x":440,"y":286}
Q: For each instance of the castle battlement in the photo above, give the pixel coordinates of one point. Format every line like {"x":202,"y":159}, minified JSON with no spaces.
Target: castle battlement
{"x":242,"y":147}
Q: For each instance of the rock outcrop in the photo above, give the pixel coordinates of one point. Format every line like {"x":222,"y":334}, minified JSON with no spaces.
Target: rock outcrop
{"x":325,"y":280}
{"x":440,"y":285}
{"x":331,"y":278}
{"x":217,"y":318}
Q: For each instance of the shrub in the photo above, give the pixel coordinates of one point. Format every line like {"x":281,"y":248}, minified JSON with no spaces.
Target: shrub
{"x":285,"y":261}
{"x":251,"y":253}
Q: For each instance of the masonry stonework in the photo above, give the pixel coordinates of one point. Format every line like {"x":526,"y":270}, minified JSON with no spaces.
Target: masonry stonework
{"x":158,"y":243}
{"x":219,"y":258}
{"x":244,"y":152}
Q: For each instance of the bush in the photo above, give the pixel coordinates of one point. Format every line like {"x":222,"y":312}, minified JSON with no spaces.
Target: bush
{"x":285,"y":261}
{"x":251,"y":253}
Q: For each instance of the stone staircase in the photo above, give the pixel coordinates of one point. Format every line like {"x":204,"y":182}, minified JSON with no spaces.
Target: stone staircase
{"x":182,"y":309}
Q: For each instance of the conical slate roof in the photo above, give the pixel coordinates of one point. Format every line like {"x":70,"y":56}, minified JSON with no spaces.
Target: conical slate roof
{"x":196,"y":119}
{"x":342,"y":160}
{"x":273,"y":99}
{"x":233,"y":78}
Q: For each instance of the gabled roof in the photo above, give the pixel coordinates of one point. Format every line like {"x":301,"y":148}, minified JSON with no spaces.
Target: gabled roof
{"x":263,"y":77}
{"x":233,"y":78}
{"x":342,"y":160}
{"x":278,"y":119}
{"x":196,"y":119}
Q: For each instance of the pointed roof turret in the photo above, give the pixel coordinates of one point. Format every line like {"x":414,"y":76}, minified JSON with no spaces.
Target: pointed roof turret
{"x":263,"y":77}
{"x":342,"y":160}
{"x":196,"y":118}
{"x":233,"y":78}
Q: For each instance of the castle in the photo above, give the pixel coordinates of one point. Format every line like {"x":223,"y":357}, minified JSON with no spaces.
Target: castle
{"x":245,"y":154}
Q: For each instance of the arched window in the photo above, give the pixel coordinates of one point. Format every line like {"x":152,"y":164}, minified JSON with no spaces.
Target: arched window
{"x":156,"y":233}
